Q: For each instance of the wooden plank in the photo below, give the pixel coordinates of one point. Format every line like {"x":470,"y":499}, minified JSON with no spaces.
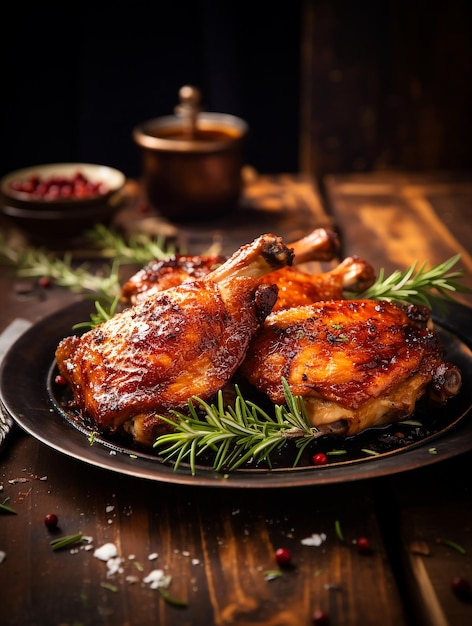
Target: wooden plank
{"x":434,"y":508}
{"x":384,"y":217}
{"x":288,"y":205}
{"x":370,"y":99}
{"x":216,"y":545}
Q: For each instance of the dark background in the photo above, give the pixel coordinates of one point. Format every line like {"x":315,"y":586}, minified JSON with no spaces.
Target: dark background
{"x":325,"y":85}
{"x":78,"y":77}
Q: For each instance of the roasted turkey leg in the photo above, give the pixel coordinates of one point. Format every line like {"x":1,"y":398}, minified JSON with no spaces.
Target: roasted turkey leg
{"x":185,"y":341}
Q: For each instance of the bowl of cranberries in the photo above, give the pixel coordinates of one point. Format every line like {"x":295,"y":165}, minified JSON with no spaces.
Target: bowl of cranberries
{"x":61,"y":198}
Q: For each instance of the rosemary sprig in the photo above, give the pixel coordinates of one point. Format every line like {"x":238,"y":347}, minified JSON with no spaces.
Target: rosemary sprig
{"x":235,"y":434}
{"x":102,"y":314}
{"x":139,"y":248}
{"x":37,"y":263}
{"x":102,"y":284}
{"x":67,"y":541}
{"x":418,"y":284}
{"x":171,"y":600}
{"x":4,"y":508}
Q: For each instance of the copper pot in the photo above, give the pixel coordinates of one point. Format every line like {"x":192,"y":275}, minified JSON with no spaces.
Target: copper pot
{"x":192,"y":161}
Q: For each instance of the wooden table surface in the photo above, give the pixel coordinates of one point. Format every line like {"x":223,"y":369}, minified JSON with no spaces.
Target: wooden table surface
{"x":218,"y":543}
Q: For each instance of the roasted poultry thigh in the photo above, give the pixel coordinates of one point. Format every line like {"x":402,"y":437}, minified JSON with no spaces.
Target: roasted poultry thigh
{"x":356,"y":363}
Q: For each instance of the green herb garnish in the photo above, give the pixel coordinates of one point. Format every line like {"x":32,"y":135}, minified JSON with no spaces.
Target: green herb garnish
{"x":66,"y":542}
{"x":102,"y":284}
{"x":452,"y":544}
{"x":235,"y":435}
{"x":370,"y":452}
{"x":109,"y":586}
{"x":418,"y":285}
{"x":338,"y":531}
{"x":171,"y":600}
{"x":102,"y":314}
{"x":4,"y":508}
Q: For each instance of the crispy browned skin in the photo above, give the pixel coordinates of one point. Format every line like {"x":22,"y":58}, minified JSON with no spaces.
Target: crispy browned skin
{"x":299,"y":288}
{"x":357,"y":363}
{"x":185,"y":341}
{"x":160,"y":275}
{"x":319,"y":245}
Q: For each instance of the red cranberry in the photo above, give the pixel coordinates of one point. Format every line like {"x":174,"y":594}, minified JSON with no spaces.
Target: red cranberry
{"x":44,"y":282}
{"x":320,"y":618}
{"x":462,"y":588}
{"x":55,"y":187}
{"x":51,"y":521}
{"x":363,"y":545}
{"x":283,"y":557}
{"x":60,"y":380}
{"x":320,"y":459}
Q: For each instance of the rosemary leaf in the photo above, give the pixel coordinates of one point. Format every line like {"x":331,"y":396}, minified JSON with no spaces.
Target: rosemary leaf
{"x":452,"y":544}
{"x":4,"y":508}
{"x":66,"y":542}
{"x":171,"y":600}
{"x":109,"y":586}
{"x":369,"y":452}
{"x":338,"y":531}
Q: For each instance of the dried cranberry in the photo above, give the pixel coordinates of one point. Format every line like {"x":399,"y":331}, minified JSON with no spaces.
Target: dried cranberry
{"x":320,"y":618}
{"x":363,"y":545}
{"x":51,"y":521}
{"x":320,"y":459}
{"x":55,"y":187}
{"x":60,"y":380}
{"x":45,"y":282}
{"x":283,"y":557}
{"x":462,"y":588}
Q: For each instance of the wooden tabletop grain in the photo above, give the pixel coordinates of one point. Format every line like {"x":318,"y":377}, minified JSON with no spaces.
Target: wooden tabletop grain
{"x":218,"y":545}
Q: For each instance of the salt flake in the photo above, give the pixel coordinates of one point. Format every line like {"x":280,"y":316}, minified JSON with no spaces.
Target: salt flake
{"x":157,"y":578}
{"x":106,"y":552}
{"x":316,"y":539}
{"x":114,"y":566}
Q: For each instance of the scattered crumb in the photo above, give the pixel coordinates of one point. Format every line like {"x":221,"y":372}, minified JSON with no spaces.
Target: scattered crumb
{"x":2,"y":556}
{"x":132,"y":579}
{"x":153,"y":556}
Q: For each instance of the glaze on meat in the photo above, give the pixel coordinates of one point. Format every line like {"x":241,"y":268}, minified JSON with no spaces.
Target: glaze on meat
{"x":184,"y":341}
{"x":356,"y":363}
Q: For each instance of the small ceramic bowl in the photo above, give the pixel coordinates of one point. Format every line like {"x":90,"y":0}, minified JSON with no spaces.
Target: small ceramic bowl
{"x":61,"y":199}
